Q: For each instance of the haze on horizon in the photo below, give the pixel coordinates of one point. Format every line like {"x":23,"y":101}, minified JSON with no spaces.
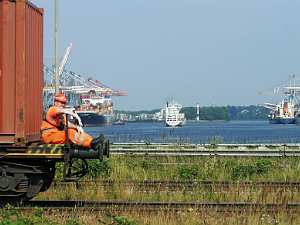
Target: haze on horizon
{"x":195,"y":51}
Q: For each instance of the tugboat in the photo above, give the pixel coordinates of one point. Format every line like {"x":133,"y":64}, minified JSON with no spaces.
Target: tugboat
{"x":173,"y":116}
{"x":119,"y":122}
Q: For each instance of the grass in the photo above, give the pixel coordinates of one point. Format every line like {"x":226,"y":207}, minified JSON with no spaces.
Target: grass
{"x":184,"y":169}
{"x":209,"y":168}
{"x":120,"y":168}
{"x":96,"y":191}
{"x":78,"y":217}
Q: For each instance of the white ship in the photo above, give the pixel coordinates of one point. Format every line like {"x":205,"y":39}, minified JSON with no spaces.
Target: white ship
{"x":173,"y":116}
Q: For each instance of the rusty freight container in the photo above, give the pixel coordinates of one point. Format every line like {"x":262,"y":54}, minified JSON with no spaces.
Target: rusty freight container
{"x":21,"y":71}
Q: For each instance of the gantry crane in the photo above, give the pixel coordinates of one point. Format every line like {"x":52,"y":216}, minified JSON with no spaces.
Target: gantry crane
{"x":73,"y":83}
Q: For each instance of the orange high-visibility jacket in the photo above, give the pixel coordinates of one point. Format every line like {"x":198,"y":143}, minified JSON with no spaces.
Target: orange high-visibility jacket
{"x":53,"y":120}
{"x":52,"y":130}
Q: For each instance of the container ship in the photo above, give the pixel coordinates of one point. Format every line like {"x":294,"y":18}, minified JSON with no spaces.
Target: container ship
{"x":95,"y":110}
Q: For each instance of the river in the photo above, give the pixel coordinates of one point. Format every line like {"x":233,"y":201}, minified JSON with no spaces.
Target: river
{"x":242,"y":132}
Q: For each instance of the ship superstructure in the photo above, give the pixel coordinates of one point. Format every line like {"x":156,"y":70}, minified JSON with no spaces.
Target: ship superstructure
{"x":282,"y":113}
{"x":287,"y":110}
{"x":173,"y":117}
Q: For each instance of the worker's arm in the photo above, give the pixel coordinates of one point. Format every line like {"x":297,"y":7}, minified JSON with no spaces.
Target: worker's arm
{"x":55,"y":111}
{"x":66,"y":111}
{"x":71,"y":113}
{"x":72,"y":125}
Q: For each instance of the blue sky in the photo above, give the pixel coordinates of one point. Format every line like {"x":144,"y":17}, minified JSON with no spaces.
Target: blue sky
{"x":195,"y":51}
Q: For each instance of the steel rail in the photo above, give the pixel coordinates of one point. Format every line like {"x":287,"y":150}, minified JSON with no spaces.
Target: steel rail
{"x":291,"y":146}
{"x":210,"y":153}
{"x":191,"y":144}
{"x":211,"y":150}
{"x":120,"y":205}
{"x":187,"y":185}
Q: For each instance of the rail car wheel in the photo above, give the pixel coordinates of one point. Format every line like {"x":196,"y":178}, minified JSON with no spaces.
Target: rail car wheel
{"x":22,"y":181}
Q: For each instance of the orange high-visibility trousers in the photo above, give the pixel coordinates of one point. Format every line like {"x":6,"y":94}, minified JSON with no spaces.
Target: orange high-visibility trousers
{"x":55,"y":136}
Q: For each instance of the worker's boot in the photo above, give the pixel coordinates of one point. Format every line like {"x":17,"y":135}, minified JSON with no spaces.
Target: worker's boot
{"x":96,"y":142}
{"x":99,"y":145}
{"x":106,"y":148}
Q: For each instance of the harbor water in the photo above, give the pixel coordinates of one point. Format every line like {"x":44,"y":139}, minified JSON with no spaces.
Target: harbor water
{"x":200,"y":132}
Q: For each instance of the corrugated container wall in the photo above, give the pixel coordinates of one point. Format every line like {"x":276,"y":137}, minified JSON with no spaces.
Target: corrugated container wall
{"x":21,"y":71}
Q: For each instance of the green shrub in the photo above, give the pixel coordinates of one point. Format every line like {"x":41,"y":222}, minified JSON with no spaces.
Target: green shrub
{"x":72,"y":222}
{"x":11,"y":216}
{"x":59,"y":171}
{"x":96,"y":169}
{"x":188,"y":172}
{"x":145,"y":163}
{"x":242,"y":171}
{"x":121,"y":220}
{"x":230,"y":163}
{"x":263,"y":166}
{"x":150,"y":163}
{"x":99,"y":168}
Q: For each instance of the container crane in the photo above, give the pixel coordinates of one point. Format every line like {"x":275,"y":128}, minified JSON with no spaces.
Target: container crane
{"x":71,"y":82}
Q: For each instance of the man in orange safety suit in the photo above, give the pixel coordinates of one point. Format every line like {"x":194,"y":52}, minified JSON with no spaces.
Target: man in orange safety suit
{"x":53,"y":126}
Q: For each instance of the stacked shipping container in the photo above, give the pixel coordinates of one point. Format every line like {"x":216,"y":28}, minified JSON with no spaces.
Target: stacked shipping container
{"x":21,"y":71}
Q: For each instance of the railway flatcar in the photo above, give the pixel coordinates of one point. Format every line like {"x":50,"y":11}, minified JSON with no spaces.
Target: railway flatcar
{"x":27,"y":170}
{"x":27,"y":166}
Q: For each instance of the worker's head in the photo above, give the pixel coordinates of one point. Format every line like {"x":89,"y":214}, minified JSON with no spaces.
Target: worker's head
{"x":60,"y":99}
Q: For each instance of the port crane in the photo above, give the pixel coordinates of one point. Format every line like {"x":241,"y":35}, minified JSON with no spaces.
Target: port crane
{"x":73,"y":83}
{"x":77,"y":84}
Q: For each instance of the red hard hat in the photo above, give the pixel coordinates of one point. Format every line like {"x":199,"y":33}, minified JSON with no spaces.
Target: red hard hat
{"x":61,"y":98}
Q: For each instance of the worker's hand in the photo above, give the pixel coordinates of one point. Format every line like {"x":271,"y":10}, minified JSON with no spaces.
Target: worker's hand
{"x":68,"y":111}
{"x":73,"y":114}
{"x":78,"y":120}
{"x":80,"y":129}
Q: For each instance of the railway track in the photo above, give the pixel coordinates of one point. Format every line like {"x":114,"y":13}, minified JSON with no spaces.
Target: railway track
{"x":167,"y":185}
{"x":201,"y":150}
{"x":163,"y":206}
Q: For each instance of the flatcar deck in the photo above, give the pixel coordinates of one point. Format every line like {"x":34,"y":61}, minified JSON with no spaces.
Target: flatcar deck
{"x":40,"y":151}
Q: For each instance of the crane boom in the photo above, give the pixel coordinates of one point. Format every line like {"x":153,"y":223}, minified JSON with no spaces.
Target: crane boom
{"x":64,"y":60}
{"x":71,"y":82}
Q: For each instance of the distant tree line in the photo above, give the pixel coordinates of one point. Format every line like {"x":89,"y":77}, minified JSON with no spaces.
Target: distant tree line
{"x":207,"y":113}
{"x":251,"y":112}
{"x":136,"y":113}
